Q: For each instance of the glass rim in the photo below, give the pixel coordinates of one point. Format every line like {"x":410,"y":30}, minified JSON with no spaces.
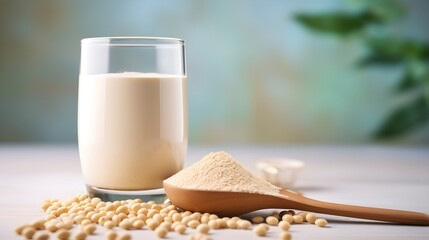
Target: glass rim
{"x":133,"y":41}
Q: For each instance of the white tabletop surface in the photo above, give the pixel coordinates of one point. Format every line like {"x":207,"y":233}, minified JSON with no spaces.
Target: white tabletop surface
{"x":378,"y":176}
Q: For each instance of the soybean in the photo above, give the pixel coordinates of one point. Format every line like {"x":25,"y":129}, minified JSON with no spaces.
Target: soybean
{"x":111,"y":235}
{"x":283,"y":225}
{"x":287,"y":218}
{"x":285,"y":236}
{"x":260,"y":230}
{"x":272,"y":220}
{"x":28,"y":232}
{"x":124,"y":236}
{"x":297,"y":219}
{"x":244,"y":224}
{"x":180,"y":228}
{"x":203,"y":228}
{"x":63,"y":234}
{"x":311,"y":218}
{"x":41,"y":236}
{"x":321,"y":222}
{"x":257,"y":219}
{"x":80,"y":236}
{"x":161,"y":232}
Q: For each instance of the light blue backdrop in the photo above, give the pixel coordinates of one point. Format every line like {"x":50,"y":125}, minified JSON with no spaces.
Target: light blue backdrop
{"x":254,"y":75}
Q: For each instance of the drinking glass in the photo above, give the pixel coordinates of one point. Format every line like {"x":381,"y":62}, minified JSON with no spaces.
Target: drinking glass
{"x":132,"y":115}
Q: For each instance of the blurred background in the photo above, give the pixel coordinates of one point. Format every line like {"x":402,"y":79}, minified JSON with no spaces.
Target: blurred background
{"x":259,"y":72}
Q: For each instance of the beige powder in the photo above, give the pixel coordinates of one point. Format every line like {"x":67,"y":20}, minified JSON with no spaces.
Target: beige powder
{"x":219,"y":171}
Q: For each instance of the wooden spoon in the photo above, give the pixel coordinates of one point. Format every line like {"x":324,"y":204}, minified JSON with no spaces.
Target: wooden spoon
{"x":237,"y":203}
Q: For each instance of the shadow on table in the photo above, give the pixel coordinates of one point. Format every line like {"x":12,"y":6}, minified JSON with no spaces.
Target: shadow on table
{"x":312,"y":188}
{"x":361,"y":222}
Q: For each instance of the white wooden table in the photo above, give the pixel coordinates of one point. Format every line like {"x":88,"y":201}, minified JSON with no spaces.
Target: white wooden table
{"x":378,"y":176}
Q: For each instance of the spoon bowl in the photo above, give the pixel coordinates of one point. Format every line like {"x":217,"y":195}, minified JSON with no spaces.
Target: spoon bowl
{"x":225,"y":203}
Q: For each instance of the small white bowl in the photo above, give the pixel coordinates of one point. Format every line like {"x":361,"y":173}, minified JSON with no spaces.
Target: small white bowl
{"x":280,"y":171}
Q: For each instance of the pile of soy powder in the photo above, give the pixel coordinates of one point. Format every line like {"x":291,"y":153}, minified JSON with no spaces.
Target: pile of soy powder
{"x":219,"y":171}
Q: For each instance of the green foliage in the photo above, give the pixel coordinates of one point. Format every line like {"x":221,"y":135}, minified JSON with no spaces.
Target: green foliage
{"x":416,"y":76}
{"x":385,"y":10}
{"x":343,"y":23}
{"x":337,"y":23}
{"x":384,"y":51}
{"x":405,"y":118}
{"x":407,"y":82}
{"x":390,"y":51}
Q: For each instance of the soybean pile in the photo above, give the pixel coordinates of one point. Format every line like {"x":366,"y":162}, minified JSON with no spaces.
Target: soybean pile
{"x":80,"y":216}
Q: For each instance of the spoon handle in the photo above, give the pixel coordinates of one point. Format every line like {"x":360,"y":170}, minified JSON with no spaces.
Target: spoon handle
{"x":380,"y":214}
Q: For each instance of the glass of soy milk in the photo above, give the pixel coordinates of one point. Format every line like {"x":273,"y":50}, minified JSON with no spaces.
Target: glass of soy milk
{"x":132,"y":115}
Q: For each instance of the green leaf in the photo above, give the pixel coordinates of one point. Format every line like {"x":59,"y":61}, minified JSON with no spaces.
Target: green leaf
{"x":343,"y":23}
{"x":407,"y":82}
{"x":391,"y":51}
{"x":380,"y":58}
{"x":414,"y":77}
{"x":405,"y":118}
{"x":336,"y":22}
{"x":386,"y":10}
